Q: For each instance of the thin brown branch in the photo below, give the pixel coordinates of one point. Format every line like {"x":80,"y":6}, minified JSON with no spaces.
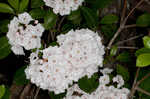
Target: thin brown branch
{"x":132,"y":38}
{"x":130,"y":26}
{"x":124,"y":11}
{"x":134,"y":84}
{"x":59,"y":25}
{"x":122,"y":25}
{"x":138,"y":4}
{"x":145,"y":77}
{"x":37,"y":92}
{"x":127,"y":47}
{"x":143,"y":91}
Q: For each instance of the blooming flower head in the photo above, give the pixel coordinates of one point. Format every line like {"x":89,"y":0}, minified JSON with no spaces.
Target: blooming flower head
{"x":79,"y":53}
{"x":63,"y":7}
{"x":22,"y":34}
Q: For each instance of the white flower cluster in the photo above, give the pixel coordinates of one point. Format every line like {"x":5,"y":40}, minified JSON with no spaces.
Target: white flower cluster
{"x":102,"y":92}
{"x":22,"y":34}
{"x":63,"y":7}
{"x":80,"y":52}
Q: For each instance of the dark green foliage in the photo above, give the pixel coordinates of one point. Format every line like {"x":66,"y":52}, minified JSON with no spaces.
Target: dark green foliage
{"x":20,"y":77}
{"x":89,"y":84}
{"x":4,"y":48}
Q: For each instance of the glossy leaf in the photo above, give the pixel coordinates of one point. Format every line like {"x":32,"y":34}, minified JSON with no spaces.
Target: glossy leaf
{"x":37,"y":13}
{"x":123,"y":57}
{"x":143,"y":60}
{"x":4,"y":48}
{"x":142,"y":51}
{"x":50,"y":20}
{"x":23,"y":5}
{"x":14,"y":4}
{"x":75,"y":17}
{"x":109,"y":30}
{"x":88,"y":84}
{"x":145,"y":83}
{"x":143,"y":20}
{"x":109,"y":19}
{"x":20,"y":77}
{"x":113,"y":51}
{"x":7,"y":94}
{"x":89,"y":16}
{"x":5,"y":8}
{"x":37,"y":3}
{"x":146,"y":41}
{"x":2,"y":91}
{"x":121,"y":70}
{"x":4,"y":26}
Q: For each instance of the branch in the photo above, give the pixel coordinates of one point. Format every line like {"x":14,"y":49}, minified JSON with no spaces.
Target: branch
{"x":132,"y":38}
{"x":134,"y":84}
{"x":127,"y":47}
{"x":122,"y":25}
{"x":142,"y":91}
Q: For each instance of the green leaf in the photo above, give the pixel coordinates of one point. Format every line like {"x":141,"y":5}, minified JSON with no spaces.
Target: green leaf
{"x":89,"y":16}
{"x":143,"y":20}
{"x":113,"y":51}
{"x":58,"y":96}
{"x":75,"y":17}
{"x":121,"y":70}
{"x":145,"y":83}
{"x":50,"y":20}
{"x":4,"y":26}
{"x":5,"y":8}
{"x":2,"y":91}
{"x":143,"y":60}
{"x":96,"y":4}
{"x":7,"y":94}
{"x":20,"y":77}
{"x":109,"y":19}
{"x":36,"y":3}
{"x":14,"y":4}
{"x":109,"y":30}
{"x":88,"y":84}
{"x":142,"y":51}
{"x":123,"y":57}
{"x":4,"y":48}
{"x":37,"y":13}
{"x":23,"y":5}
{"x":146,"y":41}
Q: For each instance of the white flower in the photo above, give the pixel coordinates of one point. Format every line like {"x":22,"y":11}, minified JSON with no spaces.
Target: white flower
{"x":106,"y":71}
{"x":104,"y":79}
{"x":119,"y":80}
{"x":24,"y":18}
{"x":79,"y":54}
{"x":63,"y":7}
{"x":22,"y":34}
{"x":17,"y":50}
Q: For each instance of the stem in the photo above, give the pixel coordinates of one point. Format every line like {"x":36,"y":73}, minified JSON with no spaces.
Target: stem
{"x":130,"y":26}
{"x":127,"y":47}
{"x":132,"y":38}
{"x":133,"y":90}
{"x":37,"y":92}
{"x":143,"y":91}
{"x":122,"y":25}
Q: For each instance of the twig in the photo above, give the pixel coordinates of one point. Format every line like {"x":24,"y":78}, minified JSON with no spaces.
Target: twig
{"x":132,"y":38}
{"x":134,"y":84}
{"x":143,"y":91}
{"x":127,"y":47}
{"x":124,"y":11}
{"x":59,"y":25}
{"x":37,"y":92}
{"x":129,"y":26}
{"x":148,"y":75}
{"x":122,"y":25}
